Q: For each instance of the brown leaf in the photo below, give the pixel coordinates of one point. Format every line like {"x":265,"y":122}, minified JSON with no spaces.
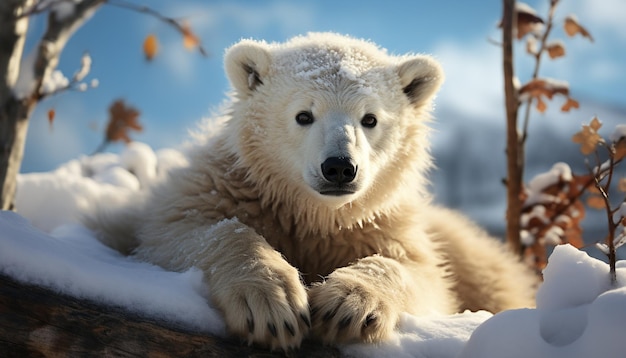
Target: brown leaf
{"x":150,"y":46}
{"x":595,"y":202}
{"x":588,"y":137}
{"x":556,"y":49}
{"x":593,"y":189}
{"x":620,"y":150}
{"x":544,"y":87}
{"x":572,"y":27}
{"x":569,"y":104}
{"x":190,"y":40}
{"x":595,"y":124}
{"x":121,"y":120}
{"x":621,"y":185}
{"x":527,"y":20}
{"x":51,"y":116}
{"x":541,"y":105}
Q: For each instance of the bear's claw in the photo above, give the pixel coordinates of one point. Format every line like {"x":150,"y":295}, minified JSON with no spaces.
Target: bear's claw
{"x":344,"y":310}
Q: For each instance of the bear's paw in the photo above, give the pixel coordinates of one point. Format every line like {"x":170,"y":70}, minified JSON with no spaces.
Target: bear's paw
{"x":267,"y":307}
{"x":346,"y":308}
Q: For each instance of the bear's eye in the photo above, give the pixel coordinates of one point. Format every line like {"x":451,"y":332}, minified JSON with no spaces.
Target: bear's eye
{"x":304,"y":118}
{"x":369,"y":121}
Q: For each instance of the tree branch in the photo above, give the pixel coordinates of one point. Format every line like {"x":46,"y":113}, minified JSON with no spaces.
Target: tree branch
{"x":149,"y":11}
{"x":54,"y":39}
{"x":514,"y":176}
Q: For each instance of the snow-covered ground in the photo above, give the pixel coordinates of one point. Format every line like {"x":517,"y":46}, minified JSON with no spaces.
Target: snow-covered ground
{"x":578,"y":313}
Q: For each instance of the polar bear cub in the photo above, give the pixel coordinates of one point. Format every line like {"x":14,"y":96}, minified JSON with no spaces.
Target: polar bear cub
{"x":309,"y":211}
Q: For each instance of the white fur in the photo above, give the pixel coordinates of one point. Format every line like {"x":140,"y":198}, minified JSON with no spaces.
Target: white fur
{"x":283,"y":258}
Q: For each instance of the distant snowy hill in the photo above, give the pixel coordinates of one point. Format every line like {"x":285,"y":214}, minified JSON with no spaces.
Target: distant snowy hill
{"x":471,"y":160}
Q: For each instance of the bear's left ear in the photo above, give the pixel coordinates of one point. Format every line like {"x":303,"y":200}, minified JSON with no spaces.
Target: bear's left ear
{"x":247,"y":64}
{"x":420,"y":77}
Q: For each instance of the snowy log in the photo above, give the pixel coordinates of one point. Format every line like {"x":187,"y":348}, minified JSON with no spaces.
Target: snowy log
{"x":35,"y":321}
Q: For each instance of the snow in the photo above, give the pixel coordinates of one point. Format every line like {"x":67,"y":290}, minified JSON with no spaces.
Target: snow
{"x":85,"y":67}
{"x":618,"y":134}
{"x":559,"y":172}
{"x":578,"y":314}
{"x":25,"y":83}
{"x":55,"y":82}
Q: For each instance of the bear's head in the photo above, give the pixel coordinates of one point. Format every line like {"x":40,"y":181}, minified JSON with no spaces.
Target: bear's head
{"x":332,"y":118}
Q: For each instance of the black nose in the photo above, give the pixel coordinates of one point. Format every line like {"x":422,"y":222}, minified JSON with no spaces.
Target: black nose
{"x":339,"y":170}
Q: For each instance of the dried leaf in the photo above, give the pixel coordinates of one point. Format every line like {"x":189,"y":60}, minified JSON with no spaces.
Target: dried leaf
{"x":527,"y":20}
{"x":556,"y":49}
{"x":620,"y":150}
{"x":569,"y":104}
{"x":588,"y":137}
{"x":595,"y":124}
{"x":572,"y":27}
{"x":190,"y":40}
{"x":593,"y":189}
{"x":544,"y":87}
{"x":595,"y":202}
{"x":150,"y":46}
{"x":541,"y":105}
{"x":122,"y":119}
{"x":51,"y":115}
{"x":621,"y":185}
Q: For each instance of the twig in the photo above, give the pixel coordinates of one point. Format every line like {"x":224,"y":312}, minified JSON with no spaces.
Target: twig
{"x":611,"y":227}
{"x":149,"y":11}
{"x":537,"y":55}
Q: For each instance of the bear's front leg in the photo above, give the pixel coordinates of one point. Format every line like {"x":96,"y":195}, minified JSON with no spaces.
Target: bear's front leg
{"x":260,"y":294}
{"x":363,"y":302}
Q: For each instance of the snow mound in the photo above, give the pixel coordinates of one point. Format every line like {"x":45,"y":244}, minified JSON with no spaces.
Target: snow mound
{"x":579,"y":314}
{"x":61,"y":196}
{"x":72,"y":261}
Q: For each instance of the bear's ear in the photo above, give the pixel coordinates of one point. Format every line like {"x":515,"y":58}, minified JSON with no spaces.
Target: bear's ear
{"x":246,"y":64}
{"x":420,"y":77}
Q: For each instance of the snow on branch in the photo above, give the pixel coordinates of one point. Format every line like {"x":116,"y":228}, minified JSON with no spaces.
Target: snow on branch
{"x":39,"y":76}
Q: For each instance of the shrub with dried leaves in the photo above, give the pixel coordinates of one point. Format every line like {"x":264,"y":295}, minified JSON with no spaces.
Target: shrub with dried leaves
{"x":553,"y":201}
{"x":550,"y":210}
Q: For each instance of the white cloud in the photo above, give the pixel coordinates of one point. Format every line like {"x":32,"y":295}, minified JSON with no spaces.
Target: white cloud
{"x":473,"y":78}
{"x":287,"y":16}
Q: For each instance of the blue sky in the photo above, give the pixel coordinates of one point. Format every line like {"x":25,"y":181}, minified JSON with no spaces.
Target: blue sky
{"x":179,"y":87}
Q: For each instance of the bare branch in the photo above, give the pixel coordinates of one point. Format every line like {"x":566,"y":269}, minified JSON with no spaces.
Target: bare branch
{"x":178,"y":25}
{"x":53,"y":41}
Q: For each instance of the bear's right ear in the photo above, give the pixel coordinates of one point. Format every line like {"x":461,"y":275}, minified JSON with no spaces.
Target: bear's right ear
{"x":247,"y":63}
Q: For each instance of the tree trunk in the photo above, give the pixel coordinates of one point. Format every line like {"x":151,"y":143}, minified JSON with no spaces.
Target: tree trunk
{"x":514,"y":165}
{"x":36,"y":322}
{"x":14,"y":113}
